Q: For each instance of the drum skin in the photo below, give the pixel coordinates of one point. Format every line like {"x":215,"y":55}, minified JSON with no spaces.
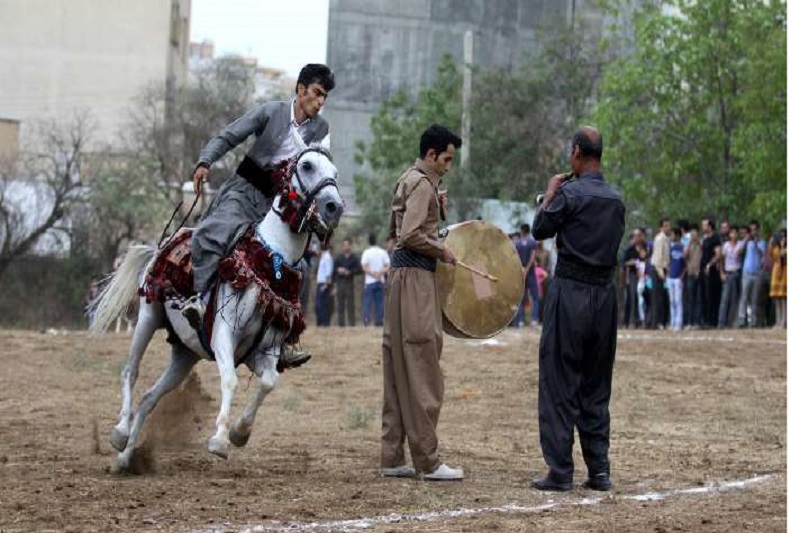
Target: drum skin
{"x":472,"y":306}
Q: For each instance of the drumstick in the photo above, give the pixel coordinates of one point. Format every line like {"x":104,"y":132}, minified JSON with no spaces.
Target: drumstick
{"x":476,"y":271}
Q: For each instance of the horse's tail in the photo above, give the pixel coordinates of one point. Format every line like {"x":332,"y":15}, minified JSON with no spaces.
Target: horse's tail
{"x":120,"y":288}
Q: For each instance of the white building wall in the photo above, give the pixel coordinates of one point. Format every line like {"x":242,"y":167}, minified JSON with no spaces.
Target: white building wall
{"x":62,"y":56}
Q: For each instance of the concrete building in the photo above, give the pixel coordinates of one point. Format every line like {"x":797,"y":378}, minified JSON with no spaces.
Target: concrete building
{"x":377,"y":47}
{"x":61,"y":56}
{"x":9,"y":144}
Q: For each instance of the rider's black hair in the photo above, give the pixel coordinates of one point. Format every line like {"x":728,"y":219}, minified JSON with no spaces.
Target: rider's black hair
{"x":316,"y":73}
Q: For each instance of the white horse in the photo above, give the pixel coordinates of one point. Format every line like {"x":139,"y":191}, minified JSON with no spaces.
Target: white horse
{"x":236,"y":327}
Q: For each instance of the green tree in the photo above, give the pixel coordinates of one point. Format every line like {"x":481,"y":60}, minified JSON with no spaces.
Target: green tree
{"x":396,"y":128}
{"x":520,"y":123}
{"x":125,"y":205}
{"x":694,"y":120}
{"x":524,"y":119}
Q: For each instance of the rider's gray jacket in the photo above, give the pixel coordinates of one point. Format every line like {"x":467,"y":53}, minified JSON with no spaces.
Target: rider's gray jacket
{"x":270,"y":124}
{"x":238,"y":202}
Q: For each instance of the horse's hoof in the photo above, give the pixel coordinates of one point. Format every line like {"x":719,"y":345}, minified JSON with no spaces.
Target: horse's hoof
{"x":118,"y":440}
{"x":218,"y":447}
{"x":238,"y":439}
{"x":122,"y":466}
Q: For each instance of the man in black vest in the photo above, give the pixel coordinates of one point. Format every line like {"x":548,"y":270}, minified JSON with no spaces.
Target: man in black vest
{"x":579,"y":336}
{"x":281,"y":130}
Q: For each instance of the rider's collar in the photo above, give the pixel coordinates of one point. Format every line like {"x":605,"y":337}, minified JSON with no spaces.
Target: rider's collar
{"x":292,"y":121}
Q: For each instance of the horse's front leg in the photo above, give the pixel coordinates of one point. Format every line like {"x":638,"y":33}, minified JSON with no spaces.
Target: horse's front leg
{"x":266,"y":366}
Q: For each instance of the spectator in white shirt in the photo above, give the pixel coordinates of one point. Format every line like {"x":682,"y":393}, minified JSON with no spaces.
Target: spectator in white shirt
{"x":324,"y":287}
{"x":732,"y":253}
{"x":375,"y":263}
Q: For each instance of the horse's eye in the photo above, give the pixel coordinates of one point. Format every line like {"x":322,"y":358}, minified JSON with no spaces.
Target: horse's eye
{"x":307,"y":166}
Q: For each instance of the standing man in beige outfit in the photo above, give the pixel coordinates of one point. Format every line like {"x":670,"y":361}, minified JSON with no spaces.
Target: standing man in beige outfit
{"x":660,"y":261}
{"x":413,"y":384}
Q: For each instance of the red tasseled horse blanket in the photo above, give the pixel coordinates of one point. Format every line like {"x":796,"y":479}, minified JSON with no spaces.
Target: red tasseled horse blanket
{"x":279,"y":300}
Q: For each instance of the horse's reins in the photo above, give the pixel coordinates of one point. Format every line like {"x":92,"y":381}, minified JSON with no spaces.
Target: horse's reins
{"x":307,"y":207}
{"x":161,"y":241}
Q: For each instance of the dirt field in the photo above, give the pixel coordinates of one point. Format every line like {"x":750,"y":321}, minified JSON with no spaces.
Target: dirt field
{"x":688,"y":409}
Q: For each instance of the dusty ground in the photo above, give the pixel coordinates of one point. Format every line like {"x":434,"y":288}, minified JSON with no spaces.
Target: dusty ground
{"x":688,"y":409}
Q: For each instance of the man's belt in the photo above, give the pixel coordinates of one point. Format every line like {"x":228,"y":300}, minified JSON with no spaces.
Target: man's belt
{"x":403,"y":257}
{"x":261,"y":179}
{"x":583,"y":273}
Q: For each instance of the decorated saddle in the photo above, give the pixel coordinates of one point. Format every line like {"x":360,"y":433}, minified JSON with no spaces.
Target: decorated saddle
{"x":171,"y":278}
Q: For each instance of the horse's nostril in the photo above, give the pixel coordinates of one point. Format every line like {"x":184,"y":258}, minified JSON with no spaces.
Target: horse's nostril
{"x":331,"y":207}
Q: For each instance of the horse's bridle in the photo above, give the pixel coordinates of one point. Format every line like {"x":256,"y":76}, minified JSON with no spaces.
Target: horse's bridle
{"x":308,"y":215}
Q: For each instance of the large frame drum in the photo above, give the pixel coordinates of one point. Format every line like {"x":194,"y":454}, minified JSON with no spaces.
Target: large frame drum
{"x":472,"y":305}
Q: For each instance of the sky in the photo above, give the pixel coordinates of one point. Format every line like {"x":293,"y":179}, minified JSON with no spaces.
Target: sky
{"x":284,"y":34}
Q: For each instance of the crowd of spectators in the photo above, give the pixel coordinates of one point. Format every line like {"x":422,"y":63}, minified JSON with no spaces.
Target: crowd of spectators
{"x":691,"y":276}
{"x":684,"y":277}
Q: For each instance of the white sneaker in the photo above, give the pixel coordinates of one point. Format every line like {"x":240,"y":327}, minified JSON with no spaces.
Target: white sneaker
{"x":444,"y":473}
{"x":399,"y":471}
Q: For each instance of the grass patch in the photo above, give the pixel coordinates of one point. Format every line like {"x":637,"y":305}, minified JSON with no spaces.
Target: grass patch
{"x":292,"y":403}
{"x":359,"y":418}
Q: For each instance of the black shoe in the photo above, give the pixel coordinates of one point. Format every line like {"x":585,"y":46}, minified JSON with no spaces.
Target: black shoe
{"x":550,"y":483}
{"x":292,"y":358}
{"x":601,"y":481}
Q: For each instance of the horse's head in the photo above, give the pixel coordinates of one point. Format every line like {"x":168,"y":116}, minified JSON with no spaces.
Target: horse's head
{"x":315,"y":177}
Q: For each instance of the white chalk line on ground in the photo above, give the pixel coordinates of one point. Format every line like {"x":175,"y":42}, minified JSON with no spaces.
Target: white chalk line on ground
{"x":694,"y":338}
{"x":361,"y":524}
{"x":674,"y":336}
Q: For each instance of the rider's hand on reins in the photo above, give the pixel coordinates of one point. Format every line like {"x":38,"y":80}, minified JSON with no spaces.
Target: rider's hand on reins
{"x":199,"y":178}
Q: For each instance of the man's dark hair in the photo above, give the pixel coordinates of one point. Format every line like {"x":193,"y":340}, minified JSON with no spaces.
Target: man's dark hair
{"x":439,"y":138}
{"x":347,"y":240}
{"x":372,"y":239}
{"x":590,"y":142}
{"x":661,"y":221}
{"x":694,"y":226}
{"x":525,"y":228}
{"x":755,"y":223}
{"x":710,"y":222}
{"x":733,"y":227}
{"x":316,"y":73}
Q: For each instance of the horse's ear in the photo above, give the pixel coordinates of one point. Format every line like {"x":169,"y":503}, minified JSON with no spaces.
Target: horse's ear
{"x":322,"y":149}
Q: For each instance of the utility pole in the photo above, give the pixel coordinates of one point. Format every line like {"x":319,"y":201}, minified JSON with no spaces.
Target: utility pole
{"x":466,"y":96}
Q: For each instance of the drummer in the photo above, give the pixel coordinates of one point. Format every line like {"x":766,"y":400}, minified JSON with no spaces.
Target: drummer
{"x":413,"y":384}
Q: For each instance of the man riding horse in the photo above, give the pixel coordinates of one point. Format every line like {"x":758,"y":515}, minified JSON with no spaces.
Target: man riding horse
{"x":282,"y":130}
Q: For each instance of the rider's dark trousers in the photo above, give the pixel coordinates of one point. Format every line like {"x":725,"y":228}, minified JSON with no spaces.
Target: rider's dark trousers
{"x":576,"y":359}
{"x":237,"y":205}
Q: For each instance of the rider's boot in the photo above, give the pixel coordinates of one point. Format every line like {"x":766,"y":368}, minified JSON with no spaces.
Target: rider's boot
{"x":193,"y":310}
{"x":292,"y":357}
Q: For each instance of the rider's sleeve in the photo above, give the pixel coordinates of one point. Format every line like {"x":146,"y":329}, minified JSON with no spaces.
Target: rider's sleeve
{"x":254,"y":121}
